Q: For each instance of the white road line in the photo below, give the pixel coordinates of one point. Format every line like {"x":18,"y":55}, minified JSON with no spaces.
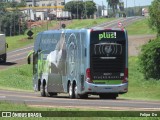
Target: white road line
{"x":2,"y":97}
{"x":20,"y":49}
{"x":10,"y":56}
{"x":17,"y":59}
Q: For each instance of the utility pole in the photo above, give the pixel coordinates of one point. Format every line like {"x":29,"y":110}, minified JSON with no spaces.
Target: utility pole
{"x":103,"y":8}
{"x":126,"y":7}
{"x":77,"y":9}
{"x":85,"y":10}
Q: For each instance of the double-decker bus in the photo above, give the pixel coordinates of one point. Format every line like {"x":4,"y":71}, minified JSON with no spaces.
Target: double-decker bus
{"x":81,"y":62}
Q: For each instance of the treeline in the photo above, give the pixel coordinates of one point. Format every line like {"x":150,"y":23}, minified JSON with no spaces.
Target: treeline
{"x":150,"y":53}
{"x":12,"y":22}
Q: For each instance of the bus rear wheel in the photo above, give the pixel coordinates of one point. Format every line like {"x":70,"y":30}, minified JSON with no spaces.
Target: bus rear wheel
{"x":79,"y":96}
{"x":71,"y":91}
{"x":3,"y":58}
{"x":44,"y":92}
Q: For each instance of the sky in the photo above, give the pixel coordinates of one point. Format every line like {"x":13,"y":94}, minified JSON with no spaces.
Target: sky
{"x":130,"y":3}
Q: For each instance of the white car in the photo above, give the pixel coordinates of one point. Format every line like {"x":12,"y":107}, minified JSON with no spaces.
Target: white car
{"x":3,"y":46}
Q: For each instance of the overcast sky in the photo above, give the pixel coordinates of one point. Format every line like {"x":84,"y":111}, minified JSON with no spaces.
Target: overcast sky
{"x":130,"y":3}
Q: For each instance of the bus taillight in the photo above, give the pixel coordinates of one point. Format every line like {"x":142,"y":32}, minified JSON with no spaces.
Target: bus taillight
{"x":125,"y":80}
{"x":88,"y":75}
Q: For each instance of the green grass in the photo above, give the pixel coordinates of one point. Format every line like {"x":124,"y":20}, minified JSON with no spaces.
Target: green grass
{"x":17,"y":77}
{"x":86,"y":23}
{"x":139,"y":88}
{"x":140,"y":28}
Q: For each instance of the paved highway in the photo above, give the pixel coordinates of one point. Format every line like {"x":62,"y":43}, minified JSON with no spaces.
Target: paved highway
{"x":93,"y":102}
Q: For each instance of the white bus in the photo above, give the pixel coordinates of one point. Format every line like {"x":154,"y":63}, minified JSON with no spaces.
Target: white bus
{"x":81,"y":62}
{"x":3,"y":47}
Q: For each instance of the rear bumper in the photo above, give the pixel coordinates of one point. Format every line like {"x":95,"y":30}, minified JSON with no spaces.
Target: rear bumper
{"x":103,"y":88}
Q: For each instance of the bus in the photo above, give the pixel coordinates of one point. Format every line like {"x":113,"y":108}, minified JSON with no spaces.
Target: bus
{"x":81,"y":62}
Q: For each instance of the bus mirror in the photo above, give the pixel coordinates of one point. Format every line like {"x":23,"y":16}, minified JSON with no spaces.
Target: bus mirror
{"x":29,"y":57}
{"x":6,"y":45}
{"x":29,"y":60}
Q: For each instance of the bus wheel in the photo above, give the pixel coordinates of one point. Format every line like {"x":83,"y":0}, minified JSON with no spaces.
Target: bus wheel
{"x":43,"y":91}
{"x":75,"y":91}
{"x":71,"y":91}
{"x":79,"y":96}
{"x":3,"y":59}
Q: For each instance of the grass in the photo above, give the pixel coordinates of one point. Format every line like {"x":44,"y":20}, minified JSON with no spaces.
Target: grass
{"x":86,"y":23}
{"x":139,"y":88}
{"x":17,"y":77}
{"x":140,"y":28}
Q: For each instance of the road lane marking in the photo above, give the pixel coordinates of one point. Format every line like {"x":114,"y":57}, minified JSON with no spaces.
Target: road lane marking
{"x":17,"y":59}
{"x":20,"y":49}
{"x":2,"y":97}
{"x":104,"y":101}
{"x":9,"y":57}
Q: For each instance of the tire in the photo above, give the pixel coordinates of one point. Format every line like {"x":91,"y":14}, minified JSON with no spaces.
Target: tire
{"x":108,"y":96}
{"x":75,"y":91}
{"x":71,"y":91}
{"x":43,"y":93}
{"x":3,"y":58}
{"x":79,"y":96}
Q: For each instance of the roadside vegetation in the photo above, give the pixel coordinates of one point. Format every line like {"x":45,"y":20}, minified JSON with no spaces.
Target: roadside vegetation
{"x":87,"y":23}
{"x":140,"y":28}
{"x":150,"y":52}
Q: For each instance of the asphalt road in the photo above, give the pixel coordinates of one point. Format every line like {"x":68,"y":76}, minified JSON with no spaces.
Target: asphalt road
{"x":62,"y":100}
{"x":18,"y":57}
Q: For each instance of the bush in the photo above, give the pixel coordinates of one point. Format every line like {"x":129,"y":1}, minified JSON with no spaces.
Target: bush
{"x":150,"y":59}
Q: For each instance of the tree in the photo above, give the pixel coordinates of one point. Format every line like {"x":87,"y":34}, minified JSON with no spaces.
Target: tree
{"x":82,"y":8}
{"x":154,"y":12}
{"x":12,"y":23}
{"x":150,"y":52}
{"x":75,"y":7}
{"x":90,"y":8}
{"x":113,"y":4}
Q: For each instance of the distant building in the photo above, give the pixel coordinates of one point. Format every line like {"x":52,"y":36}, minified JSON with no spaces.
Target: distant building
{"x":145,"y":12}
{"x":37,"y":3}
